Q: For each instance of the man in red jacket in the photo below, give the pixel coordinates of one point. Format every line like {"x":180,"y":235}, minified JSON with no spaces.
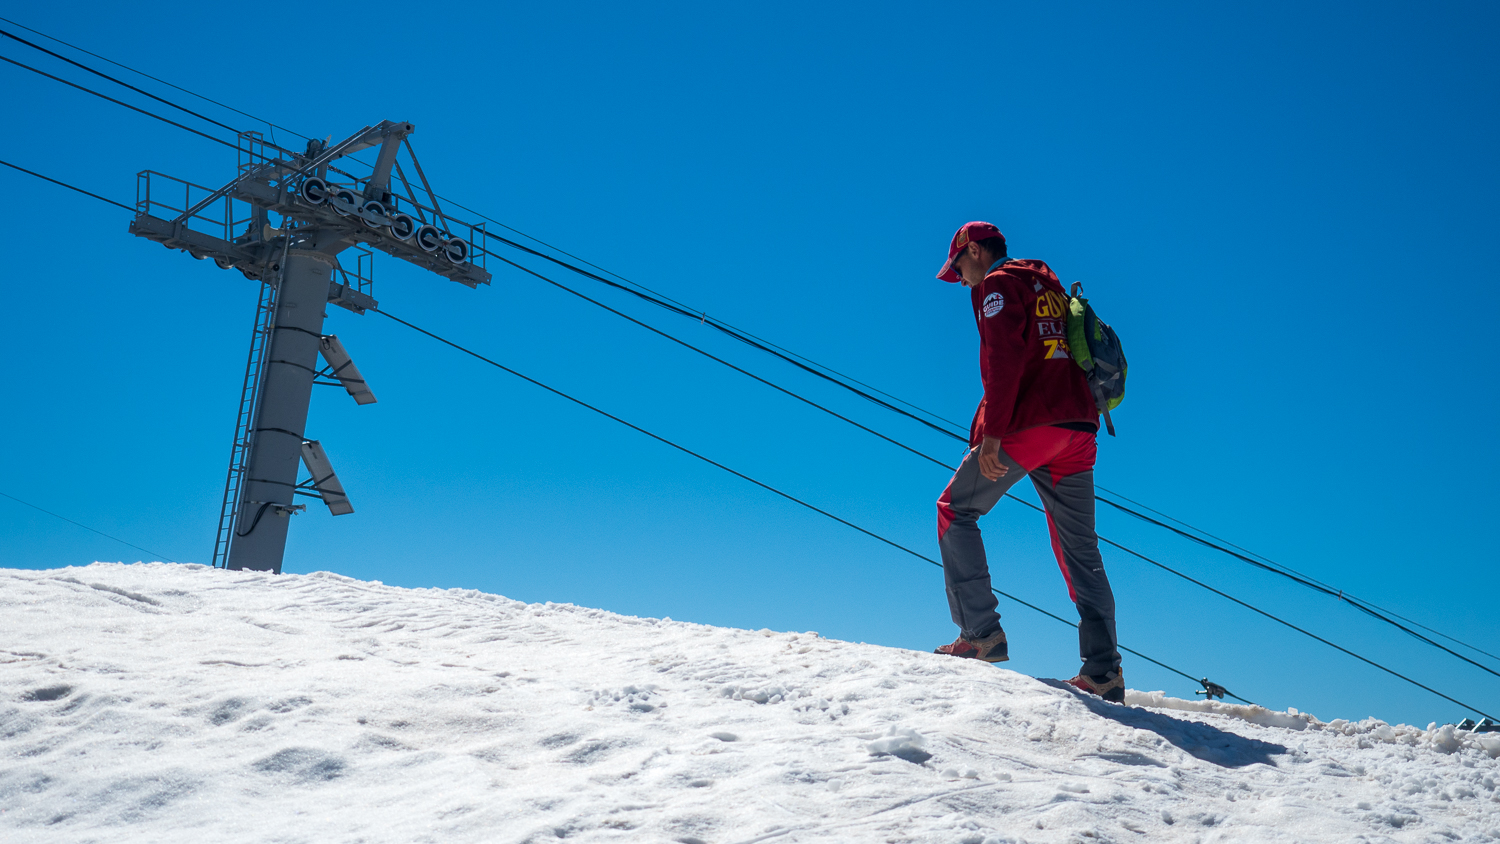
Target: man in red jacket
{"x":1037,"y":418}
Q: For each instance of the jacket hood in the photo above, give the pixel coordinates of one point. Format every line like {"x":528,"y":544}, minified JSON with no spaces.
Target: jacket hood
{"x":1027,"y":265}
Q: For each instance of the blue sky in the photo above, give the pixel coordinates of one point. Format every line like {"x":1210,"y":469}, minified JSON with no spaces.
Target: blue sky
{"x":1287,"y":212}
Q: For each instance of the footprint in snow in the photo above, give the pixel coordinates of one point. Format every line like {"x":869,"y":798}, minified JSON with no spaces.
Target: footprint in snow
{"x":303,"y":764}
{"x":47,"y":693}
{"x":634,"y":698}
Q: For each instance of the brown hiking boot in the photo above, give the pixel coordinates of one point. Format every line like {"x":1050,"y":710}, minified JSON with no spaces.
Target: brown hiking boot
{"x":1110,"y":686}
{"x":991,"y":649}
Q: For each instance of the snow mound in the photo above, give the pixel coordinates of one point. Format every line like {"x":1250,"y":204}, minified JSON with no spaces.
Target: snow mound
{"x":167,"y":703}
{"x":1254,"y":714}
{"x":1445,"y":739}
{"x":902,"y":743}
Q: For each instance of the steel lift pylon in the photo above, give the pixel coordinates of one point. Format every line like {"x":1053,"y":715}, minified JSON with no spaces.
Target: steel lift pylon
{"x":284,"y":221}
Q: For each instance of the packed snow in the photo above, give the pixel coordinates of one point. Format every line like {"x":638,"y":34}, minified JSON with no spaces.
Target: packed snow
{"x":179,"y":703}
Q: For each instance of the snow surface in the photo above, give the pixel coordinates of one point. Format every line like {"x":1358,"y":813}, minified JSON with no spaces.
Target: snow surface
{"x":178,"y":703}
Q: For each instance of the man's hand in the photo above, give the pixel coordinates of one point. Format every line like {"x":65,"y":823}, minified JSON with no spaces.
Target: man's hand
{"x":989,"y":459}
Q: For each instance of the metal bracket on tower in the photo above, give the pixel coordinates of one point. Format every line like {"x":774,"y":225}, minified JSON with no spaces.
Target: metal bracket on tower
{"x":350,"y":299}
{"x":324,"y":483}
{"x":340,"y":366}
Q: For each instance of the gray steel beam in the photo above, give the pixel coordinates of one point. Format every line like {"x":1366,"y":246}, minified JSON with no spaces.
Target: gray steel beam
{"x":380,"y":177}
{"x":174,"y":236}
{"x":208,"y":246}
{"x":278,"y":429}
{"x":350,"y":299}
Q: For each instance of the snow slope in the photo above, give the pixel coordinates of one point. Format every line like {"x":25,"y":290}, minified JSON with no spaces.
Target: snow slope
{"x":170,"y":703}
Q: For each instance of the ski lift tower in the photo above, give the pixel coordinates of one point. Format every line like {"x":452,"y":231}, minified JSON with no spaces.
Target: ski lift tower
{"x":284,"y":220}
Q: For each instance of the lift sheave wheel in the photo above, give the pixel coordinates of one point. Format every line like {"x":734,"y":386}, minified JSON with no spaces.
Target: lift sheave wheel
{"x":457,"y":250}
{"x":429,"y":238}
{"x":402,"y":226}
{"x":373,"y":214}
{"x":315,"y":191}
{"x":344,"y":202}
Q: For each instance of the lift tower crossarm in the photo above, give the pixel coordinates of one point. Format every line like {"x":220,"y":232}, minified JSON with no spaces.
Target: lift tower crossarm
{"x":337,"y":215}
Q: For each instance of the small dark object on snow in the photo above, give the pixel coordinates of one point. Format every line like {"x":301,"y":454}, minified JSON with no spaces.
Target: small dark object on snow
{"x":1212,"y":689}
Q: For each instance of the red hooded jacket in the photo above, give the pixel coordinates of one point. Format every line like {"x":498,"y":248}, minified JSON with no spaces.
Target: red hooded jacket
{"x":1030,"y":377}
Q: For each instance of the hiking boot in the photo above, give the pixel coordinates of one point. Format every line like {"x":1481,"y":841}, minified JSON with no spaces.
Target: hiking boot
{"x":1110,"y":686}
{"x":990,"y":649}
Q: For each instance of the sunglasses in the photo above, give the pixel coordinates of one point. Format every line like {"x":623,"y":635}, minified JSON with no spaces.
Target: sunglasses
{"x":956,"y":268}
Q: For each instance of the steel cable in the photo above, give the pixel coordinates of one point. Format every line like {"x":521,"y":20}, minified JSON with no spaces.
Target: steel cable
{"x":120,"y":102}
{"x":762,"y":485}
{"x":159,"y":557}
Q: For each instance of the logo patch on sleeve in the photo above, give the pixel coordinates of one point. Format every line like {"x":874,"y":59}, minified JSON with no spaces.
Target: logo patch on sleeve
{"x":993,"y":303}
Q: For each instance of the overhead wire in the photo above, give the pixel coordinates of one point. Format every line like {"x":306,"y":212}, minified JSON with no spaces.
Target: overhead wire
{"x":751,"y":341}
{"x":702,"y":316}
{"x":1012,"y":497}
{"x":1283,"y":621}
{"x":513,"y":244}
{"x":713,"y":357}
{"x":1357,"y":604}
{"x":685,"y":310}
{"x":1365,"y":607}
{"x":152,"y":78}
{"x":1362,"y":606}
{"x":913,"y":553}
{"x":159,"y":557}
{"x":1304,"y":632}
{"x":662,"y":303}
{"x":761,"y":484}
{"x":99,"y":73}
{"x":1205,"y":533}
{"x":480,"y":214}
{"x":1343,"y":594}
{"x":66,"y":185}
{"x":635,"y":288}
{"x":670,"y":305}
{"x":793,"y":358}
{"x":120,"y":102}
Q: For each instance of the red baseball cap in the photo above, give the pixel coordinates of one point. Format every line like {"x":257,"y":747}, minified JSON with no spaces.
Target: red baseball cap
{"x":966,"y":234}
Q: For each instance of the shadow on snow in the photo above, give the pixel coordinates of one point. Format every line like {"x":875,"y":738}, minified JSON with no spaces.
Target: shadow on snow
{"x":1201,"y":741}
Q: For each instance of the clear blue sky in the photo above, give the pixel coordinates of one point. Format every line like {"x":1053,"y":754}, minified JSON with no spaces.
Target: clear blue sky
{"x":1287,"y":211}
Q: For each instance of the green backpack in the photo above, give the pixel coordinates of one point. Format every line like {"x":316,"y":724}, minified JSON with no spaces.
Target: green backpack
{"x":1097,"y":349}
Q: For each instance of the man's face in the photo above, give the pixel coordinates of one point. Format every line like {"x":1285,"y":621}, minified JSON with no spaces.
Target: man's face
{"x":969,"y":266}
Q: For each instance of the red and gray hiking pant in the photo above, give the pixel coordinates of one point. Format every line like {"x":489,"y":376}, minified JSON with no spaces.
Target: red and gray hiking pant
{"x":1061,"y":465}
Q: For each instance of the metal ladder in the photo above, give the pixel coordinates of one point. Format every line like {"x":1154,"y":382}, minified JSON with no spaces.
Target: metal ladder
{"x":239,"y":455}
{"x":250,"y":155}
